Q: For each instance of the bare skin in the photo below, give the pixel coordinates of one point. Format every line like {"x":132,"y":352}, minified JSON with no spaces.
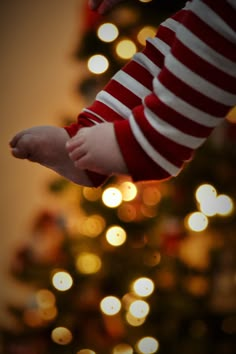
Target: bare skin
{"x":96,"y":149}
{"x":46,"y":146}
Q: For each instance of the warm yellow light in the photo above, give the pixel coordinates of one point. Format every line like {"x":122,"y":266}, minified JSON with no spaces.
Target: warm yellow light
{"x":144,"y":33}
{"x":139,"y":308}
{"x":134,"y":321}
{"x":61,"y":335}
{"x":88,"y":263}
{"x":45,"y":298}
{"x":110,"y":305}
{"x":62,"y":281}
{"x":48,"y":314}
{"x":147,"y":345}
{"x":143,"y":286}
{"x":127,"y":212}
{"x":145,"y":0}
{"x":224,"y":205}
{"x":151,"y":195}
{"x":93,"y":225}
{"x":86,"y":351}
{"x":116,"y":236}
{"x":204,"y":192}
{"x":98,"y":64}
{"x":126,"y":48}
{"x":208,"y":206}
{"x":107,"y":32}
{"x":112,"y":197}
{"x":92,"y":194}
{"x":122,"y":349}
{"x":197,"y":221}
{"x":128,"y":191}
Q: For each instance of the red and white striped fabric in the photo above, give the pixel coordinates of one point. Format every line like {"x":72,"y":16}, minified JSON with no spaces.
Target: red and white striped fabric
{"x":166,"y":101}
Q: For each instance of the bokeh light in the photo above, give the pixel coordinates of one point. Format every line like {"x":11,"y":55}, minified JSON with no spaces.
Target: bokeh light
{"x":45,"y":298}
{"x":62,"y":281}
{"x":197,"y":221}
{"x":139,"y":308}
{"x":98,"y":64}
{"x":110,"y":305}
{"x":134,"y":321}
{"x":204,"y":192}
{"x":122,"y":349}
{"x":88,"y":263}
{"x":224,"y":205}
{"x":143,"y":286}
{"x":112,"y":197}
{"x":61,"y":335}
{"x":107,"y":32}
{"x":128,"y":191}
{"x":144,"y":33}
{"x":126,"y":48}
{"x":85,"y":351}
{"x":116,"y":236}
{"x":147,"y":345}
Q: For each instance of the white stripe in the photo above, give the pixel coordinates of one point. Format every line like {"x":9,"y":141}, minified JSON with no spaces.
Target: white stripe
{"x":143,"y":60}
{"x":171,"y":24}
{"x":171,"y":132}
{"x":212,"y":19}
{"x":183,"y":107}
{"x":198,"y":83}
{"x":113,"y":103}
{"x":150,"y":151}
{"x":160,"y":45}
{"x":204,"y":51}
{"x":131,"y":84}
{"x":95,"y":114}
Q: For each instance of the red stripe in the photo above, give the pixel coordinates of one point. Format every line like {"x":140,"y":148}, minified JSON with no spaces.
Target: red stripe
{"x":224,"y":10}
{"x":139,"y":165}
{"x":175,"y":119}
{"x":212,"y":38}
{"x":122,"y":94}
{"x":139,"y":73}
{"x":170,"y":150}
{"x":193,"y":97}
{"x":203,"y":68}
{"x":104,"y":111}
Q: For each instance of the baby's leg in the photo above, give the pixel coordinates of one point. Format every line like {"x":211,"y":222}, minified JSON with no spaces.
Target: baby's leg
{"x":46,"y":146}
{"x":96,"y":148}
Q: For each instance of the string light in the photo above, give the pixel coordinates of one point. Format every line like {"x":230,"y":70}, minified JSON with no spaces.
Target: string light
{"x":224,"y":205}
{"x":93,"y":225}
{"x":122,"y":349}
{"x":45,"y":298}
{"x":112,"y":197}
{"x":107,"y":32}
{"x":143,"y":286}
{"x":88,"y":263}
{"x":147,"y":345}
{"x":98,"y":64}
{"x":134,"y":321}
{"x":62,"y":281}
{"x":204,"y":192}
{"x":128,"y":191}
{"x":48,"y":314}
{"x":197,"y":221}
{"x":126,"y":48}
{"x":86,"y":351}
{"x":61,"y":335}
{"x":110,"y":305}
{"x":144,"y":33}
{"x":116,"y":236}
{"x":139,"y":308}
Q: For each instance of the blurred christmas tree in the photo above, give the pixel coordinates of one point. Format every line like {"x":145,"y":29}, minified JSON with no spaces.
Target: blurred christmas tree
{"x":133,"y":268}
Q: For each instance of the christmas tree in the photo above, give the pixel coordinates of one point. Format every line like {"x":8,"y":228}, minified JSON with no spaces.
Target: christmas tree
{"x":132,"y":268}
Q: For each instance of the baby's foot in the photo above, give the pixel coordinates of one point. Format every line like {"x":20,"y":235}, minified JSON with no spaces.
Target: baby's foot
{"x":96,"y":149}
{"x":46,"y":146}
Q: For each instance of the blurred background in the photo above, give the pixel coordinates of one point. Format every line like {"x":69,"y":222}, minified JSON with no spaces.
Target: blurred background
{"x":126,"y":268}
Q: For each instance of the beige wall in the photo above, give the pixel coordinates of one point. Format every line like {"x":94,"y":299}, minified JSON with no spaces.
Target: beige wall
{"x":37,"y":78}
